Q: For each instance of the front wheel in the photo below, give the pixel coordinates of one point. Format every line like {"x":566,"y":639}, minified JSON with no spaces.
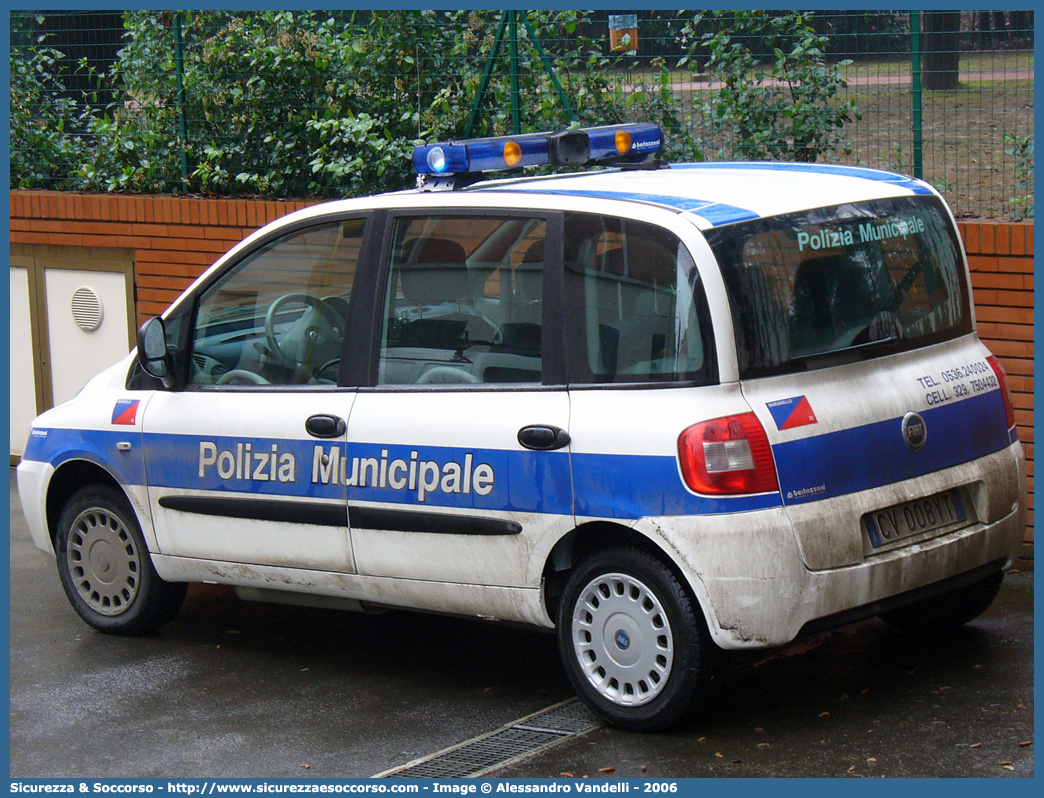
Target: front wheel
{"x":632,"y":640}
{"x":105,"y":566}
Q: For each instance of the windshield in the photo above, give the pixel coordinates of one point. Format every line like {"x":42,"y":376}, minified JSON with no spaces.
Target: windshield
{"x":839,"y":284}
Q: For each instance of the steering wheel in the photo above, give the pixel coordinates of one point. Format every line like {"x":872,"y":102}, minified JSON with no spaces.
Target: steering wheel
{"x":311,"y":334}
{"x":241,"y":377}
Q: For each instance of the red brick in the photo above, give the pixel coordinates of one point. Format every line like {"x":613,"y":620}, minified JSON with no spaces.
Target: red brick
{"x":1010,"y":282}
{"x":1018,"y":239}
{"x":988,"y":239}
{"x":224,"y":233}
{"x":971,"y":237}
{"x":179,"y":213}
{"x":59,"y":240}
{"x":1002,"y":299}
{"x":1013,"y":265}
{"x":1010,"y":332}
{"x":982,"y":263}
{"x":1002,"y":233}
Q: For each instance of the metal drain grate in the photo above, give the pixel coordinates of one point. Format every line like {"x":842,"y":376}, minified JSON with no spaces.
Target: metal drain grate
{"x":507,"y":744}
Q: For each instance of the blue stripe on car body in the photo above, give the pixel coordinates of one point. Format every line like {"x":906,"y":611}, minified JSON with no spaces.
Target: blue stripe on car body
{"x":606,"y":485}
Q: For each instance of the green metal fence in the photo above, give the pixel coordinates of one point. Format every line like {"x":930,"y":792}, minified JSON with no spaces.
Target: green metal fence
{"x":331,"y":103}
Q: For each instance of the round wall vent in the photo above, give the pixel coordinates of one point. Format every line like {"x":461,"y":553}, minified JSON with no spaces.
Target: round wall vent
{"x":86,"y":309}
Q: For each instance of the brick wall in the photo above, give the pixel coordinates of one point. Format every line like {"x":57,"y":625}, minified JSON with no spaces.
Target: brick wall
{"x":174,"y":239}
{"x":1001,"y":259}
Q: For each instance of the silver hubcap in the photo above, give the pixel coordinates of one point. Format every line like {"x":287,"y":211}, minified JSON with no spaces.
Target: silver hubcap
{"x":622,"y":639}
{"x":104,"y":561}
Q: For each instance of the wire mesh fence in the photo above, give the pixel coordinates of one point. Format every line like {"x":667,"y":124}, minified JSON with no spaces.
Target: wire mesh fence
{"x":331,"y":103}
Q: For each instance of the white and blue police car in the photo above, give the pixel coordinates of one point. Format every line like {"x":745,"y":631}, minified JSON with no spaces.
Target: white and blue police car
{"x":661,"y":409}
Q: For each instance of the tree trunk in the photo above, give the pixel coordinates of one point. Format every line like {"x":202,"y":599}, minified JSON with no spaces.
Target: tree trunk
{"x":941,"y":56}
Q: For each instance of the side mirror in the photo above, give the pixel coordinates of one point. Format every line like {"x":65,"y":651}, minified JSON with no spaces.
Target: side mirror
{"x":152,"y":351}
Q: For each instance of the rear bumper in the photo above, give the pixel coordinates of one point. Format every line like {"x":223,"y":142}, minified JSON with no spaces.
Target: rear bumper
{"x":756,"y":590}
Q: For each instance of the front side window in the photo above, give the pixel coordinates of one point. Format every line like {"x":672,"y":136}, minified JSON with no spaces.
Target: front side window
{"x":464,"y":301}
{"x":636,"y":310}
{"x":839,"y":284}
{"x":278,"y":317}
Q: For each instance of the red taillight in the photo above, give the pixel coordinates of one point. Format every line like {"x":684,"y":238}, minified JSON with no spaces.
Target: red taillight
{"x":727,"y":455}
{"x":1002,"y":378}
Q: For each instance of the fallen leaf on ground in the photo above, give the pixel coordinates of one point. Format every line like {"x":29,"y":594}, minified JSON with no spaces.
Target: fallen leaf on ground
{"x":824,"y":714}
{"x":851,"y":768}
{"x":719,"y":754}
{"x":1024,"y":743}
{"x":872,"y":759}
{"x":306,"y":766}
{"x":607,"y":770}
{"x":643,"y":768}
{"x":566,"y":775}
{"x":975,"y":745}
{"x":1004,"y":762}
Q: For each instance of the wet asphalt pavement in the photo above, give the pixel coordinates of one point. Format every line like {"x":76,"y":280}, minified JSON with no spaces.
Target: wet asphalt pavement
{"x":237,"y":689}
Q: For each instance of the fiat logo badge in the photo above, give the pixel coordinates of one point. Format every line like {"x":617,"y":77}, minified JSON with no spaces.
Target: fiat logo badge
{"x":915,"y":432}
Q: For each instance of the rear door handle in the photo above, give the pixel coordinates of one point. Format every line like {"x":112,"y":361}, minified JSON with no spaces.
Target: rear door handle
{"x":325,"y":426}
{"x":543,"y":437}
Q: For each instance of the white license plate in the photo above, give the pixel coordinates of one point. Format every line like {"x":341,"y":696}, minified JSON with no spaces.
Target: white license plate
{"x":914,"y":517}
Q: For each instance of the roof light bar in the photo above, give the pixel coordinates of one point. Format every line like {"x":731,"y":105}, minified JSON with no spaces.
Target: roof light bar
{"x":626,"y":143}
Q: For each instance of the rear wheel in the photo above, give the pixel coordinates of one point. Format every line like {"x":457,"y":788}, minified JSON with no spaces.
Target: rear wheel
{"x":105,"y":566}
{"x":950,"y":610}
{"x":632,"y":640}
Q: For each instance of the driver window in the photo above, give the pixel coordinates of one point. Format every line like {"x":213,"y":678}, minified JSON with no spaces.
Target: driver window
{"x":464,"y":302}
{"x":278,"y":317}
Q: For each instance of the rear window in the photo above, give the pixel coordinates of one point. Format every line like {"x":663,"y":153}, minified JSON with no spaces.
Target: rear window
{"x":635,"y":306}
{"x":840,"y":284}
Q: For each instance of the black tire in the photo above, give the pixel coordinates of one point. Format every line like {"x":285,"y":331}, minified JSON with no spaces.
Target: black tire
{"x":633,"y":640}
{"x":105,"y":566}
{"x":949,"y":611}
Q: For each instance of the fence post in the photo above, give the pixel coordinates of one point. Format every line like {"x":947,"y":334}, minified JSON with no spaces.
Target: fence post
{"x":915,"y":67}
{"x":516,"y":99}
{"x":179,"y":67}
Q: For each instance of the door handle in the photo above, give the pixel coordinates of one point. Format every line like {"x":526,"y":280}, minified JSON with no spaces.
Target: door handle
{"x":325,"y":426}
{"x":543,"y":437}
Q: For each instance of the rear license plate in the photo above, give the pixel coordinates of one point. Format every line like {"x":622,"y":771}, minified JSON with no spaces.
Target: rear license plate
{"x":912,"y":518}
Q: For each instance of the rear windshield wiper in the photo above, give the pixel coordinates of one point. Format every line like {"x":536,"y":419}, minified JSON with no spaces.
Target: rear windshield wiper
{"x":880,"y":343}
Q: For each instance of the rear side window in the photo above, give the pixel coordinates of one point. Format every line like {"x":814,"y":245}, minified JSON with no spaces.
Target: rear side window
{"x":464,"y":303}
{"x":840,"y":284}
{"x":635,"y":305}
